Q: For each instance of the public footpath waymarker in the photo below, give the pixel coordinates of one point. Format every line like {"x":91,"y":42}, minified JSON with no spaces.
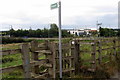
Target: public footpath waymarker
{"x":54,"y":6}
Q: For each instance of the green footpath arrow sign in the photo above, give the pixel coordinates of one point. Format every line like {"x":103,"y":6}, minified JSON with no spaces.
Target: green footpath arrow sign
{"x":53,"y":6}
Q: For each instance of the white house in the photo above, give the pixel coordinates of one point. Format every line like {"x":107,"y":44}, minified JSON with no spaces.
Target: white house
{"x":79,"y":31}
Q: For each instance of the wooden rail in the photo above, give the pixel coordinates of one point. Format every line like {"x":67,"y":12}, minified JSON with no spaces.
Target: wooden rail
{"x":40,"y":63}
{"x":12,"y":51}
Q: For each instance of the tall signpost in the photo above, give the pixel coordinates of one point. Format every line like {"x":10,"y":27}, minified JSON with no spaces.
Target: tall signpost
{"x":54,"y":6}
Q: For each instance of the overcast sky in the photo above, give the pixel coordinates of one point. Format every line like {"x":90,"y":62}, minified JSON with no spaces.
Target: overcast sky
{"x":75,"y":13}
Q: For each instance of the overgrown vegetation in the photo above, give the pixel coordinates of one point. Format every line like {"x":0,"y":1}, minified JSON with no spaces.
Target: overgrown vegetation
{"x":103,"y":71}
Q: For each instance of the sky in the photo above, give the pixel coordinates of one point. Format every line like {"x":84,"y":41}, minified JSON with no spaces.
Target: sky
{"x":76,"y":14}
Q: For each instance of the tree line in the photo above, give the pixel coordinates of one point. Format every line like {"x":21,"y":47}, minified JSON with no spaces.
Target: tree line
{"x":106,"y":32}
{"x":40,"y":33}
{"x":53,"y":32}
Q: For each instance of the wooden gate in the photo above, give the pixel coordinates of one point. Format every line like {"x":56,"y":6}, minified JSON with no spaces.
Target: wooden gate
{"x":32,"y":61}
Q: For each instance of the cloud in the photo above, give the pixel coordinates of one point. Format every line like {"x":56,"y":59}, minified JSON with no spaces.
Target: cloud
{"x":74,"y":12}
{"x":109,"y":20}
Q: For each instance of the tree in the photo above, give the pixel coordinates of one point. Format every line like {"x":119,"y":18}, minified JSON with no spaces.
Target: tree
{"x":45,"y":33}
{"x":65,"y":33}
{"x":39,"y":33}
{"x":106,"y":32}
{"x":118,"y":34}
{"x":11,"y":32}
{"x":101,"y":31}
{"x":53,"y":30}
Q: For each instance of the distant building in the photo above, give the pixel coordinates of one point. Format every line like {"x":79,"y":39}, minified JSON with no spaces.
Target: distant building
{"x":80,"y":32}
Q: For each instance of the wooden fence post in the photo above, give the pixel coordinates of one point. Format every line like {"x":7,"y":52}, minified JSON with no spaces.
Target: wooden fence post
{"x":26,"y":60}
{"x":72,"y":54}
{"x":71,"y":59}
{"x":77,"y":57}
{"x":47,"y":44}
{"x":52,"y":60}
{"x":99,"y":52}
{"x":114,"y":47}
{"x":93,"y":56}
{"x":34,"y":47}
